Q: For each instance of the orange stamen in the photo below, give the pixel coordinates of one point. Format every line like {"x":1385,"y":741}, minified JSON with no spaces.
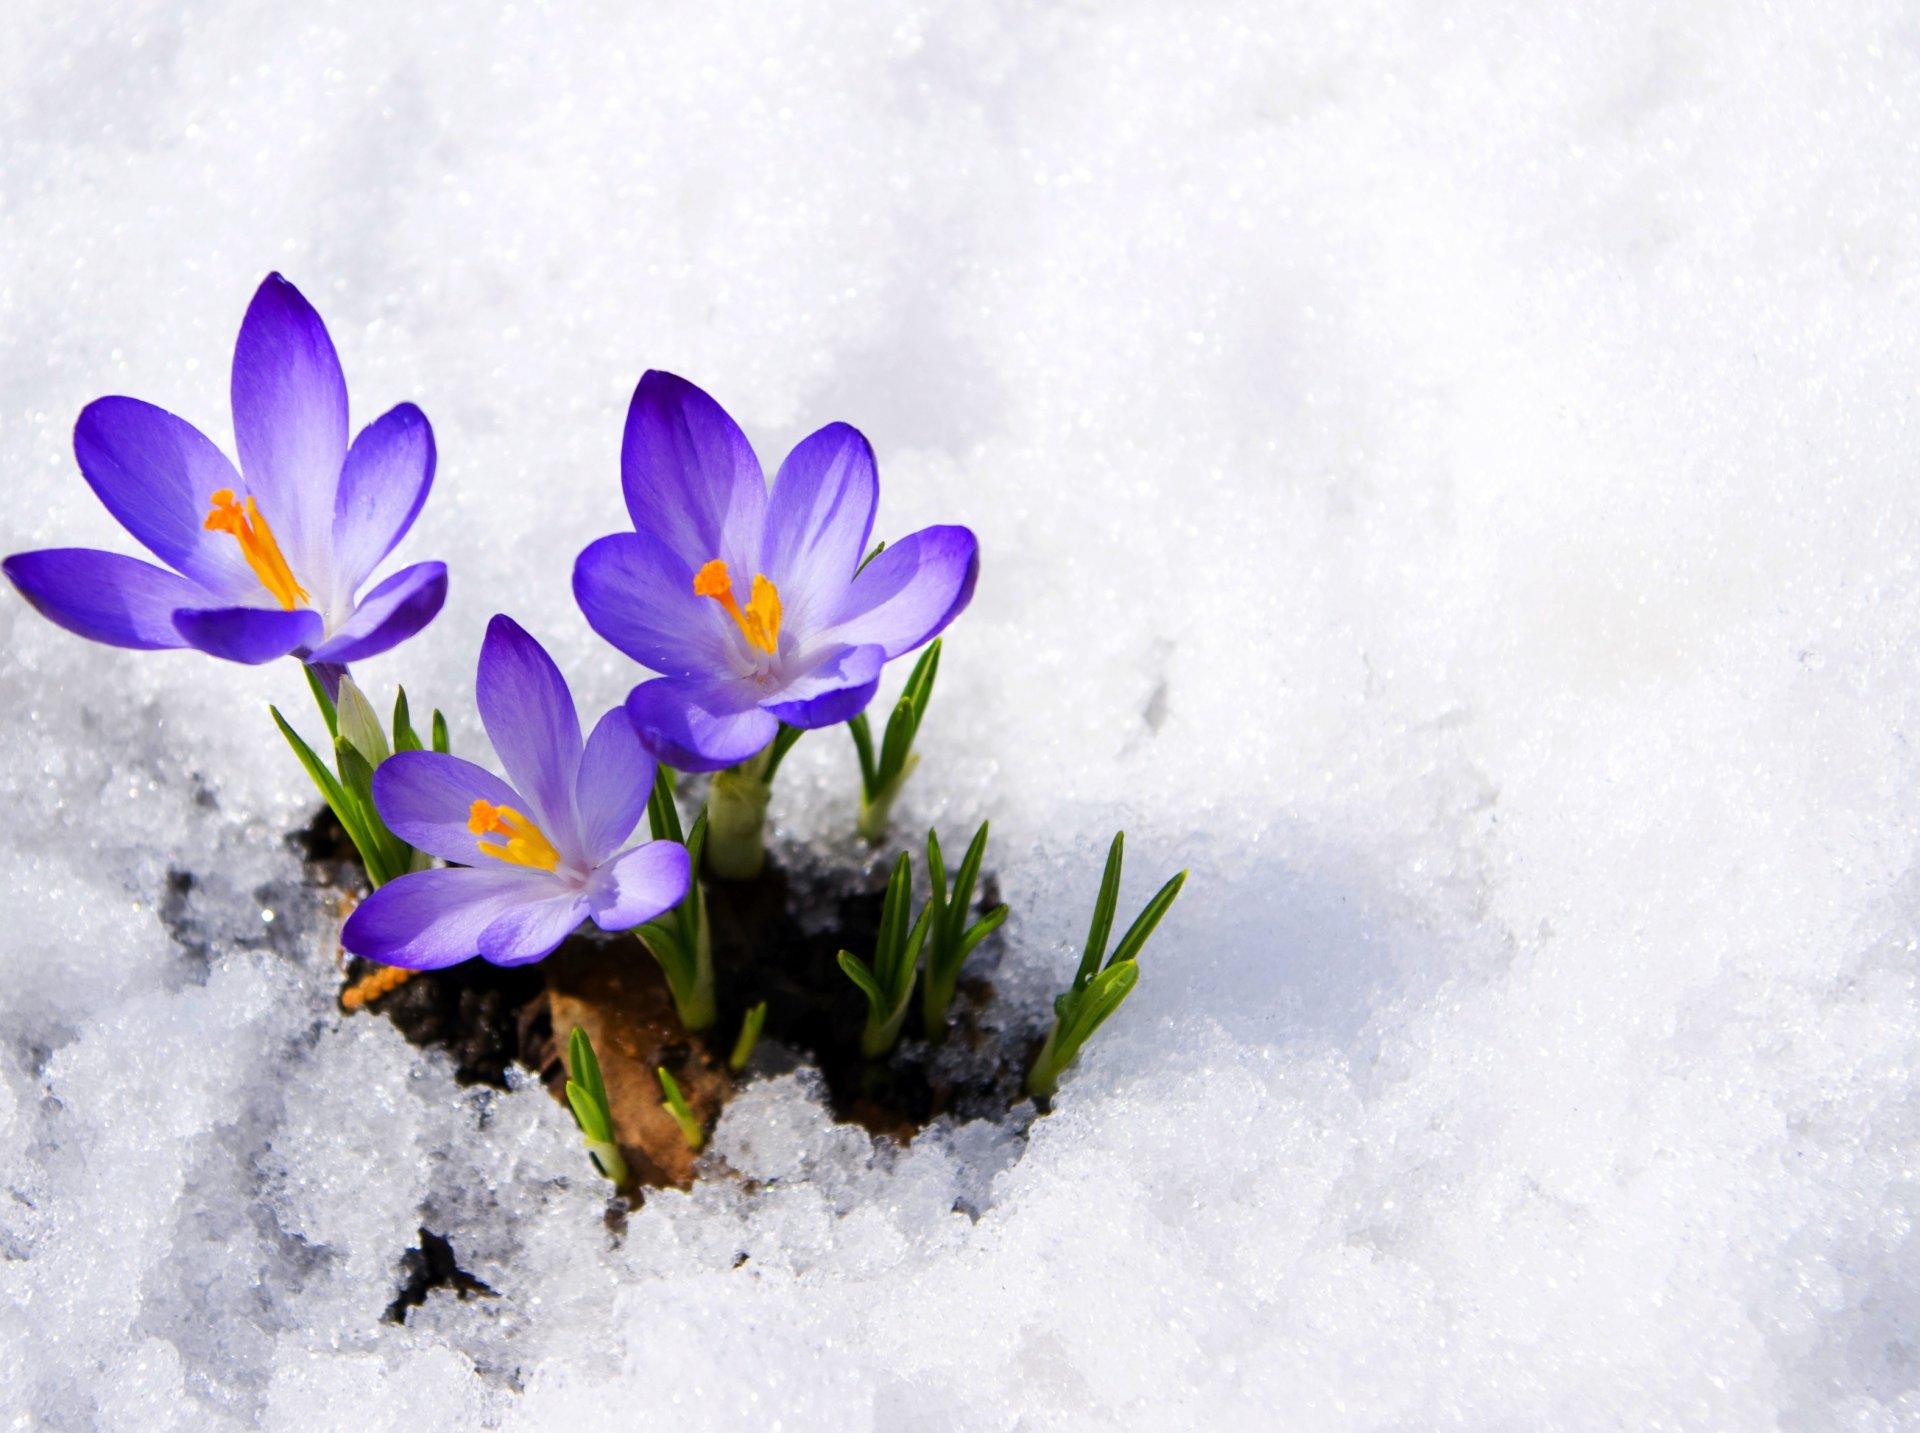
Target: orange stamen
{"x":262,"y":553}
{"x":524,"y":844}
{"x":760,"y":623}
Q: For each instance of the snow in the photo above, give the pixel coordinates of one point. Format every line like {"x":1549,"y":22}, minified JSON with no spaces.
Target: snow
{"x":1445,"y":475}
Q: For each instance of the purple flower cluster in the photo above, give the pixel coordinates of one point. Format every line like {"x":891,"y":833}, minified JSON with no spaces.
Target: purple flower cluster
{"x":752,"y":605}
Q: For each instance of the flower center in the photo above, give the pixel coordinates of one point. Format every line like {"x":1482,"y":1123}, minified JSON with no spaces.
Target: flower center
{"x":262,"y":553}
{"x":760,"y":623}
{"x":524,"y":844}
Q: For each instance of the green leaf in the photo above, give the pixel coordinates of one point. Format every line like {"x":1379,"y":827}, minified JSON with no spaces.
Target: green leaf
{"x":1144,"y":923}
{"x":749,"y":1037}
{"x":660,"y":937}
{"x":663,"y":816}
{"x":920,"y":683}
{"x":322,"y":700}
{"x":937,"y":879}
{"x":894,"y":915}
{"x":1103,"y":996}
{"x":878,"y":548}
{"x":592,"y":1117}
{"x":345,"y":809}
{"x":441,"y":743}
{"x":979,"y":931}
{"x":898,"y":741}
{"x":405,"y":738}
{"x":1102,"y":914}
{"x":777,"y":750}
{"x":862,"y":735}
{"x":964,"y":881}
{"x":359,"y":724}
{"x":677,"y":1106}
{"x":586,"y":1065}
{"x":857,"y":971}
{"x":356,"y":779}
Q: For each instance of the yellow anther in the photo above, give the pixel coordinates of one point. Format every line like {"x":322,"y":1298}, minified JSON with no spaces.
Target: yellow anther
{"x":262,"y":553}
{"x":524,"y":844}
{"x":760,"y":623}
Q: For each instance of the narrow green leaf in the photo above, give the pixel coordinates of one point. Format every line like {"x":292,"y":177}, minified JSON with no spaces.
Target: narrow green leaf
{"x":908,"y":962}
{"x":749,"y":1037}
{"x":898,"y":740}
{"x":356,"y":779}
{"x":323,"y":701}
{"x":1102,"y":914}
{"x":964,"y":881}
{"x":344,"y":808}
{"x":592,"y":1117}
{"x":360,"y":724}
{"x":663,"y":816}
{"x":441,"y":743}
{"x":979,"y":931}
{"x":857,"y":971}
{"x":677,"y":1106}
{"x":862,"y":734}
{"x":777,"y":750}
{"x":1144,"y":923}
{"x":586,"y":1065}
{"x":878,"y":548}
{"x":937,"y":879}
{"x":920,"y":684}
{"x":405,"y":738}
{"x":663,"y":940}
{"x":894,"y":915}
{"x":1103,"y":996}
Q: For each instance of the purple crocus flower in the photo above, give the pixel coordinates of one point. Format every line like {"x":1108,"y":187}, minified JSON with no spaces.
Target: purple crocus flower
{"x":262,"y":565}
{"x":748,"y":603}
{"x":543,"y":849}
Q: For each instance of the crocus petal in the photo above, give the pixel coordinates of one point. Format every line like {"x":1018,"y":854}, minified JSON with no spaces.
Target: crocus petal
{"x":818,"y":522}
{"x":638,"y":594}
{"x":157,"y":475}
{"x":430,"y":919}
{"x":388,"y":615}
{"x":839,"y":684}
{"x":522,"y":934}
{"x":909,"y":593}
{"x":829,"y":709}
{"x":696,"y":725}
{"x":290,"y":421}
{"x":426,"y":798}
{"x":388,"y":471}
{"x":248,"y":634}
{"x":639,"y":884}
{"x":610,"y":793}
{"x":104,"y":596}
{"x":690,"y":475}
{"x":529,"y":715}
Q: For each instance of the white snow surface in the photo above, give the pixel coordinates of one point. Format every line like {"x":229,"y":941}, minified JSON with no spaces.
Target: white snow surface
{"x":1446,"y":474}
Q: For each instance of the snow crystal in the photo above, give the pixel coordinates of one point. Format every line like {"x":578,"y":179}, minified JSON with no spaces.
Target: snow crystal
{"x":1445,"y":474}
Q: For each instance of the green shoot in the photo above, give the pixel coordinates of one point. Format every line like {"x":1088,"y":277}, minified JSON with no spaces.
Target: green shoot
{"x":749,"y":1037}
{"x":888,"y":982}
{"x":950,"y":940}
{"x":737,"y":803}
{"x":677,"y":1107}
{"x":883,"y":775}
{"x":1097,"y":991}
{"x":681,"y":939}
{"x":587,"y":1093}
{"x":359,"y":746}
